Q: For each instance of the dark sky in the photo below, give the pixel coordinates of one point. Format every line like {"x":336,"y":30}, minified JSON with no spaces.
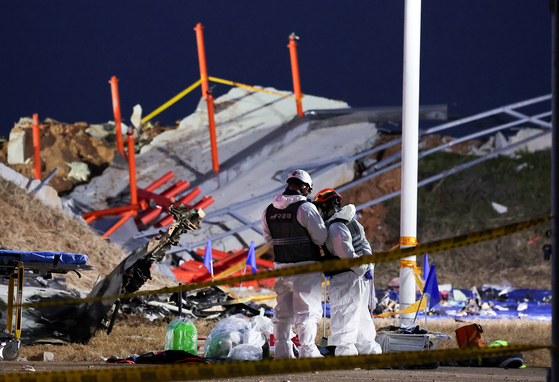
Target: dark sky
{"x":57,"y":56}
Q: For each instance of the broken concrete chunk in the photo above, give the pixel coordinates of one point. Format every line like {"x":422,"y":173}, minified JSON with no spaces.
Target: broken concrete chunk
{"x":500,"y":141}
{"x":136,"y":118}
{"x":97,"y":131}
{"x":43,"y":356}
{"x":499,"y":208}
{"x":20,"y":146}
{"x":79,"y":171}
{"x":521,"y":166}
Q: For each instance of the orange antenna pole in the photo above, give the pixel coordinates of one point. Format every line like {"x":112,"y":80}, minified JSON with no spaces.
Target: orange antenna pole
{"x":116,"y":111}
{"x":36,"y":147}
{"x":132,"y":170}
{"x":295,"y":72}
{"x":202,"y":58}
{"x":213,"y":139}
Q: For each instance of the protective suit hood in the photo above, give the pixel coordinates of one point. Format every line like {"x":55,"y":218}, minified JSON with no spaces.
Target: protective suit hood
{"x":346,"y":213}
{"x":282,"y":201}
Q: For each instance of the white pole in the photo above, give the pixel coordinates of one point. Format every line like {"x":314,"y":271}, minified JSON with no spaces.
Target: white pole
{"x":410,"y":136}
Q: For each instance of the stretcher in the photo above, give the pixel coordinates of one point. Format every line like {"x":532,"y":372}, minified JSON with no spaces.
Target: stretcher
{"x":13,"y":265}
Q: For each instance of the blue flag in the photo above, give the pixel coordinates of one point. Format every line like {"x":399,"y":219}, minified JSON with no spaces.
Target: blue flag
{"x":251,"y":258}
{"x":208,"y":258}
{"x":425,"y":267}
{"x":432,"y":288}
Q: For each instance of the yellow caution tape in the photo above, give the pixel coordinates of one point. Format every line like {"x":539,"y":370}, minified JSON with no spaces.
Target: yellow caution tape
{"x":416,"y":272}
{"x":239,"y":85}
{"x":328,"y":266}
{"x":189,"y":372}
{"x":410,"y":309}
{"x":408,"y":241}
{"x":171,"y":101}
{"x":242,"y":300}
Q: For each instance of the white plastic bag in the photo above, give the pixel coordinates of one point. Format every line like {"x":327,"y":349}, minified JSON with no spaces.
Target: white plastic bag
{"x":264,"y":324}
{"x":254,"y":337}
{"x":225,"y":336}
{"x":246,"y":352}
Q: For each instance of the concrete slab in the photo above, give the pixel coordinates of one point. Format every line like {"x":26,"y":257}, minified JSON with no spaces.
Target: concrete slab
{"x":47,"y":194}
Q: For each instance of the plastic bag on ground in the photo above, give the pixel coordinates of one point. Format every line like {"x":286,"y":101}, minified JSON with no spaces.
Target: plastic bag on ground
{"x":181,"y":334}
{"x":225,"y":336}
{"x":246,"y":352}
{"x":254,"y":337}
{"x":264,"y":324}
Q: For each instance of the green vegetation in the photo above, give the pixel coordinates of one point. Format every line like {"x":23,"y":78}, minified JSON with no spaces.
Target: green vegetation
{"x":461,"y":203}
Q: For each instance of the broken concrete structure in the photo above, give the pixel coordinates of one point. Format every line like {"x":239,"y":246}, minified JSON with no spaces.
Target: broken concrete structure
{"x":259,"y":136}
{"x":20,"y":145}
{"x":46,"y":194}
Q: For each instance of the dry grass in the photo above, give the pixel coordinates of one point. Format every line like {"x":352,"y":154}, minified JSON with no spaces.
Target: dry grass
{"x":29,"y":225}
{"x":137,"y":335}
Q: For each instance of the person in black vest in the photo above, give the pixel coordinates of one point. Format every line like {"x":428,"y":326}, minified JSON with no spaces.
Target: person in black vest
{"x":353,"y":330}
{"x":294,"y":227}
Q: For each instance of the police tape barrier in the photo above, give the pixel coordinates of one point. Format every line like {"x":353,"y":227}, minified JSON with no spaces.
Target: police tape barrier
{"x":171,"y":101}
{"x":267,"y":367}
{"x":248,"y":87}
{"x":328,"y":266}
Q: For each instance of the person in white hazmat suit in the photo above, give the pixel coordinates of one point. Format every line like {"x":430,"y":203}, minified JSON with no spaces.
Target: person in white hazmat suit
{"x":295,"y":229}
{"x":353,"y":330}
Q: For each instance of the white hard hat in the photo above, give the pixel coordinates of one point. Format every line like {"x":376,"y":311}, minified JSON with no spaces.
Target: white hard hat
{"x":302,"y":175}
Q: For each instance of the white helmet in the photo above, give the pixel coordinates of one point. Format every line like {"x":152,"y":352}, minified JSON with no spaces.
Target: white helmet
{"x":302,"y":175}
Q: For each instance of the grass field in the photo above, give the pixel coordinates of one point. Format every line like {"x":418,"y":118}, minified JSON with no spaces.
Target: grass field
{"x":137,"y":335}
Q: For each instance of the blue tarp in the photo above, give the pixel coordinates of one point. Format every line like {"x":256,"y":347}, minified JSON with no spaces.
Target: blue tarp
{"x":43,"y":257}
{"x":536,"y":308}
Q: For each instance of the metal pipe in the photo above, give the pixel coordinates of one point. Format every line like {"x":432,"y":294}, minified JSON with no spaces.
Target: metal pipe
{"x":410,"y":138}
{"x":554,"y":7}
{"x":112,"y":211}
{"x":45,"y":182}
{"x":36,"y":147}
{"x":202,"y":58}
{"x":132,"y":169}
{"x":159,"y":182}
{"x":453,"y":170}
{"x":295,"y":73}
{"x":118,"y":224}
{"x":116,"y":112}
{"x":213,"y":137}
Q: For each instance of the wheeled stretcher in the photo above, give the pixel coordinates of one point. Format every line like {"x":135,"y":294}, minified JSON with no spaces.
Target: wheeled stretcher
{"x":13,"y":265}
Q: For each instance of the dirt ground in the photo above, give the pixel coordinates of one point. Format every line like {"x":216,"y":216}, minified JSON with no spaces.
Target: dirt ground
{"x":440,"y":374}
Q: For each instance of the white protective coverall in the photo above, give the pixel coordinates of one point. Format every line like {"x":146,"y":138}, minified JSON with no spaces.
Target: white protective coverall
{"x":353,"y":330}
{"x":298,"y":297}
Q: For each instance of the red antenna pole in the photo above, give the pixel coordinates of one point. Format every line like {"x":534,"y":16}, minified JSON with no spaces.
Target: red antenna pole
{"x":116,"y":111}
{"x":295,"y":72}
{"x":202,"y":58}
{"x":213,"y":138}
{"x":132,"y":169}
{"x":36,"y":147}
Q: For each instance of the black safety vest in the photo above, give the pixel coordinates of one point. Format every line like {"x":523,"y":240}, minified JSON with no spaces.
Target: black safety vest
{"x":356,"y":241}
{"x":292,"y":242}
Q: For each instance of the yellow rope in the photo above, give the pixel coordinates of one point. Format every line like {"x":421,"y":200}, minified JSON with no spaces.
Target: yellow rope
{"x":171,"y":101}
{"x":239,"y":85}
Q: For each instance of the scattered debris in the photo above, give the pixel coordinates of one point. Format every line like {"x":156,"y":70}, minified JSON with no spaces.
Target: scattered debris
{"x":43,"y":356}
{"x":79,"y":323}
{"x":499,"y":208}
{"x":79,"y":171}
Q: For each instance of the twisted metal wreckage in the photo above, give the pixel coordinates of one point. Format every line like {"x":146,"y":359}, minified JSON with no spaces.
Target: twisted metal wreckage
{"x":78,"y":323}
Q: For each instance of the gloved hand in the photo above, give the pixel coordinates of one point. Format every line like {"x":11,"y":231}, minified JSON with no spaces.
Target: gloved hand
{"x":368,"y":275}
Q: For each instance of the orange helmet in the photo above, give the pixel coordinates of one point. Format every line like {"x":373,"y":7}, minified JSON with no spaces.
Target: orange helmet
{"x":327,"y":194}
